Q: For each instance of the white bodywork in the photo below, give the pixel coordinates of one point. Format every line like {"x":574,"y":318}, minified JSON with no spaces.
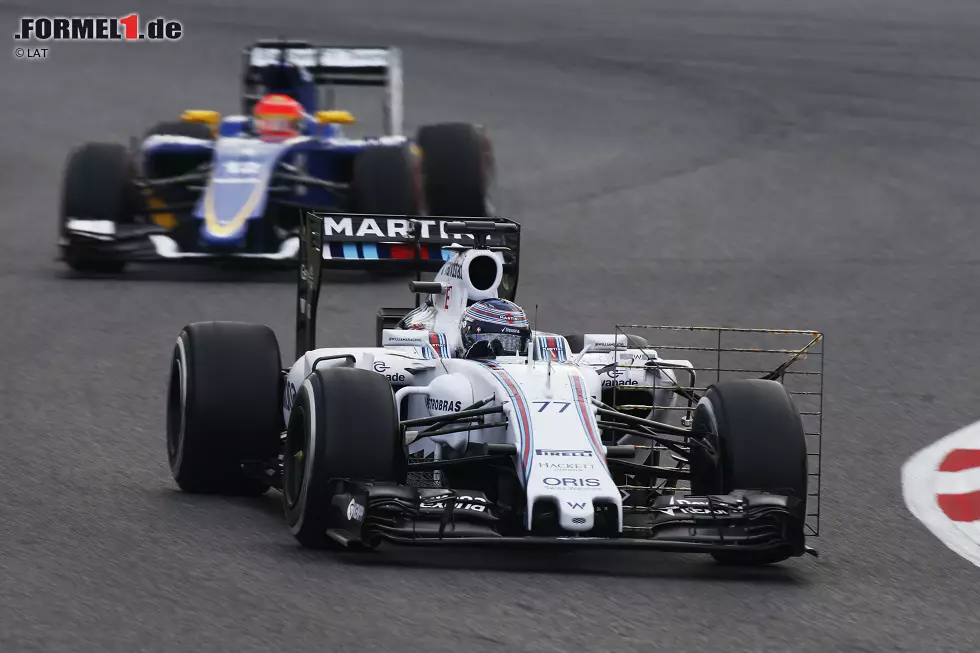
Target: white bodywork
{"x":546,"y":396}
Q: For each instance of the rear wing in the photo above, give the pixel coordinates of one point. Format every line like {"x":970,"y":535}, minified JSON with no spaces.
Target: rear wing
{"x":330,"y":66}
{"x":347,"y":241}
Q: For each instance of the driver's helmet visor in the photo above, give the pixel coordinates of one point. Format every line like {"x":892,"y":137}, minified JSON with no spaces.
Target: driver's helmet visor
{"x":277,"y":124}
{"x":512,"y":344}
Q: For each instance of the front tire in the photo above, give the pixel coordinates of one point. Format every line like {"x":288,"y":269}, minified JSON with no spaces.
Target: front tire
{"x":223,"y":406}
{"x":97,"y":186}
{"x":757,"y":432}
{"x":343,"y":425}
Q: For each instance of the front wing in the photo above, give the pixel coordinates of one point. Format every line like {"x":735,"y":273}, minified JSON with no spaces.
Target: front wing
{"x":103,"y":241}
{"x":368,"y":513}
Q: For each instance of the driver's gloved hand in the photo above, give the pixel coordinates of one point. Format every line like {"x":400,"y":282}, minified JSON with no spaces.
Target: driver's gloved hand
{"x":482,"y":349}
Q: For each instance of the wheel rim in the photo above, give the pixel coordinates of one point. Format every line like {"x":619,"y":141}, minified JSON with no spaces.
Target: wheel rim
{"x":175,"y":409}
{"x":294,"y":460}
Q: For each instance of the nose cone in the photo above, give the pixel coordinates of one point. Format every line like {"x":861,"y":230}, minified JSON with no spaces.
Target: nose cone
{"x":576,"y":516}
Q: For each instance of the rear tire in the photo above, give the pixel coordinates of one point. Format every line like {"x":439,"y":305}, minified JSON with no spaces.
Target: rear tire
{"x":386,"y":180}
{"x":757,"y":431}
{"x":97,"y":186}
{"x":458,"y":169}
{"x":223,"y":406}
{"x":343,"y":424}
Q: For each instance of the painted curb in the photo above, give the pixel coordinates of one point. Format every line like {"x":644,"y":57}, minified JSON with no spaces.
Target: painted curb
{"x":941,"y":483}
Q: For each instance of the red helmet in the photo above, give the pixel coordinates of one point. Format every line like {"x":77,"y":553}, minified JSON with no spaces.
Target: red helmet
{"x":277,"y":116}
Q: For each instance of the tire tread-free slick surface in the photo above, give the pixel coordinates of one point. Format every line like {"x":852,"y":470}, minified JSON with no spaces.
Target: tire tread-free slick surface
{"x":756,"y":430}
{"x":354,"y":435}
{"x":228,"y":411}
{"x":456,"y":168}
{"x":96,"y":186}
{"x":385,"y":180}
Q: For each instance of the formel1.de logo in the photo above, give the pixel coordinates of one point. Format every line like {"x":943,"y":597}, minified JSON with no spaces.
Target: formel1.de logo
{"x":97,"y":28}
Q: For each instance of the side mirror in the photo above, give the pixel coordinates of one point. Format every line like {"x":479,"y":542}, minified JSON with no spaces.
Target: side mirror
{"x":207,"y":117}
{"x":335,"y":118}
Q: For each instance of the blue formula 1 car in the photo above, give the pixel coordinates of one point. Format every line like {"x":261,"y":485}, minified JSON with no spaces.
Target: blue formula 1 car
{"x":208,"y":187}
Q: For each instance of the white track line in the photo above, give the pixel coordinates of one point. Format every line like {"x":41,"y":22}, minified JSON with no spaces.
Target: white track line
{"x":922,"y":481}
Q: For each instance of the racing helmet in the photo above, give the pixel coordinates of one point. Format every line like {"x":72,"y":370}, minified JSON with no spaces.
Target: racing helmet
{"x":500,"y":325}
{"x":277,"y":117}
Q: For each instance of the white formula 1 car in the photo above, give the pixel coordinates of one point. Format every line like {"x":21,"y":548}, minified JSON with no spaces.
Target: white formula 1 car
{"x":526,"y":449}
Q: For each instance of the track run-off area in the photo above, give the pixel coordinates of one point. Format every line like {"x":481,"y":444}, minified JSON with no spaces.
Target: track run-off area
{"x":780,"y":164}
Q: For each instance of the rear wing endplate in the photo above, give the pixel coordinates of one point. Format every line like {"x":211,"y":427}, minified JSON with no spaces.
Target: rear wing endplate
{"x":338,"y":66}
{"x":347,"y":241}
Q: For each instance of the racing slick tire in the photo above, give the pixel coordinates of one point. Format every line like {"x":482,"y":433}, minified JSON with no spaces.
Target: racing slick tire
{"x":97,"y":186}
{"x":223,"y":407}
{"x":458,"y":169}
{"x":757,"y":432}
{"x":386,"y":180}
{"x":343,"y":425}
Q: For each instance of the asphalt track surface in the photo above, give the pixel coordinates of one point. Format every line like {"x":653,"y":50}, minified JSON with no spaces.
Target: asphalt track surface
{"x":761,"y":163}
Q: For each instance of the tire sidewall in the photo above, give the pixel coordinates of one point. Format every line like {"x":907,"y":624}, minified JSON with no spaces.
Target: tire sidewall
{"x":707,"y":470}
{"x":458,"y":169}
{"x":343,"y":432}
{"x":307,"y":423}
{"x":177,"y":404}
{"x":387,"y":180}
{"x":758,"y":440}
{"x":716,"y":472}
{"x":97,"y":183}
{"x":220,"y":417}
